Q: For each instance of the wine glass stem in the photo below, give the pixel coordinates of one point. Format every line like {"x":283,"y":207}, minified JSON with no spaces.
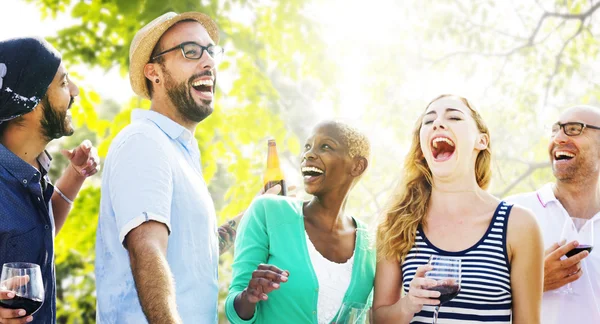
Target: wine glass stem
{"x":435,"y":314}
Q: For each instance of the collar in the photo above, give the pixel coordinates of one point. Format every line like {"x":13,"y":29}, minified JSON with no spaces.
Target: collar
{"x":166,"y":124}
{"x":22,"y":170}
{"x":545,"y":194}
{"x":45,"y":160}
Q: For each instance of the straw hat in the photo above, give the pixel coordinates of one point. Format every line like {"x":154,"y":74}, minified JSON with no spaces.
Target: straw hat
{"x":146,"y":38}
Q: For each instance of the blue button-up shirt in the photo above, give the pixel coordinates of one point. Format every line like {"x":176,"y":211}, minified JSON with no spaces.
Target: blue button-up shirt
{"x":152,"y":173}
{"x":27,"y":223}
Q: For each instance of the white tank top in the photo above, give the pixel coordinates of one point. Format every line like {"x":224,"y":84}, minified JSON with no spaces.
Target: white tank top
{"x":334,"y":279}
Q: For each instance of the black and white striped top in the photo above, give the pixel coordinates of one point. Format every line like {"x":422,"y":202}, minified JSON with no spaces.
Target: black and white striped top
{"x":485,"y":295}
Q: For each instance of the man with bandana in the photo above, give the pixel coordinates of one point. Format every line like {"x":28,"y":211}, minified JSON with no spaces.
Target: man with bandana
{"x":35,"y":96}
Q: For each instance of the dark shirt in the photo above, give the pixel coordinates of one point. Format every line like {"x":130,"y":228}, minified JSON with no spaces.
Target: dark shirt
{"x":27,"y":223}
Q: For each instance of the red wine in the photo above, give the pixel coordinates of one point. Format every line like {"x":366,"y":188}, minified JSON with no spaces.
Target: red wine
{"x":272,"y":184}
{"x":447,"y":292}
{"x":29,"y":305}
{"x":579,"y":248}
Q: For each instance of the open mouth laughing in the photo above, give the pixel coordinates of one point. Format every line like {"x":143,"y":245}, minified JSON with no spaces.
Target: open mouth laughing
{"x":442,"y":148}
{"x":311,"y":173}
{"x":562,"y":156}
{"x":204,"y":88}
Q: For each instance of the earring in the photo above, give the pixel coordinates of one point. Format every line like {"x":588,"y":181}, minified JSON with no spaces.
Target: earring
{"x":156,"y":80}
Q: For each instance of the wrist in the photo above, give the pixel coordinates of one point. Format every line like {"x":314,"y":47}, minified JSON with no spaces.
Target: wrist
{"x":63,"y":196}
{"x":244,"y":297}
{"x":404,"y":307}
{"x":80,"y":175}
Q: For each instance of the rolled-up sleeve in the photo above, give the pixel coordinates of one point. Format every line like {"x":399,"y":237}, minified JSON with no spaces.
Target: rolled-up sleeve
{"x":140,"y":183}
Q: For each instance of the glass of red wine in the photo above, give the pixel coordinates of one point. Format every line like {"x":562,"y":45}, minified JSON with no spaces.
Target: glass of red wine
{"x":25,"y":281}
{"x":447,"y":273}
{"x":582,"y":231}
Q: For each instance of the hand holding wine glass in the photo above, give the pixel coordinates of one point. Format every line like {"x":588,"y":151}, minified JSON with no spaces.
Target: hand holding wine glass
{"x":21,"y":292}
{"x":446,"y":271}
{"x":418,"y":293}
{"x":575,"y":229}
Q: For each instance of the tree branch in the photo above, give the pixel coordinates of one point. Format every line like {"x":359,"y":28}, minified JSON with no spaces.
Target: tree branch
{"x":532,"y":167}
{"x":531,"y":39}
{"x":558,"y":61}
{"x":581,"y":16}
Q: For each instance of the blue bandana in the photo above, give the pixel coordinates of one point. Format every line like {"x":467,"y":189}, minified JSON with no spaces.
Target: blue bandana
{"x":27,"y":67}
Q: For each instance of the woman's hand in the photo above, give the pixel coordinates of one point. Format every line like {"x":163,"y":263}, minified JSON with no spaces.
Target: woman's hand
{"x":418,"y":295}
{"x":265,"y":279}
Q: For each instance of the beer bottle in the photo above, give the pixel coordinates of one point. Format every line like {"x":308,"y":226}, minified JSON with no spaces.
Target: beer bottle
{"x":273,"y":174}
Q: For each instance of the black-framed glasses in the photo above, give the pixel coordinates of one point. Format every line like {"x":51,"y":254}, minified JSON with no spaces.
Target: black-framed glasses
{"x":194,"y":51}
{"x":571,"y":128}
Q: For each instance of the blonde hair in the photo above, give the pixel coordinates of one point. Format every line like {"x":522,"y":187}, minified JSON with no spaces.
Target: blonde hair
{"x":408,"y":204}
{"x":356,"y":141}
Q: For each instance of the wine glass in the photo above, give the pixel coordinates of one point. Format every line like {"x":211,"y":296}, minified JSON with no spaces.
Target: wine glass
{"x":575,"y":229}
{"x":352,"y":313}
{"x":25,"y":281}
{"x":447,"y":272}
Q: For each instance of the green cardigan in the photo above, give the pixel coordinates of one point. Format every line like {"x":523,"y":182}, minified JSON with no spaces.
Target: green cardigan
{"x":272,"y":232}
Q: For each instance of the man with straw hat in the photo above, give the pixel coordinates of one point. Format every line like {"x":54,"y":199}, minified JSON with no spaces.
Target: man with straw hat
{"x":35,"y":97}
{"x":157,"y":247}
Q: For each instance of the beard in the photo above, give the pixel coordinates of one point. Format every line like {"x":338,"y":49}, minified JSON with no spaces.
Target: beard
{"x":579,"y":172}
{"x":55,"y":124}
{"x":181,"y":96}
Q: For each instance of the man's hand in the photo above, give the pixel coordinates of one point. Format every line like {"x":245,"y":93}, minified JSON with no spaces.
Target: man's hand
{"x":7,"y":315}
{"x":84,"y":158}
{"x":557,"y":272}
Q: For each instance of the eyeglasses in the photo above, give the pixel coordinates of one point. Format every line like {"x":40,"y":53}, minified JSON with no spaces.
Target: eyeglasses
{"x":193,"y":51}
{"x":571,"y":128}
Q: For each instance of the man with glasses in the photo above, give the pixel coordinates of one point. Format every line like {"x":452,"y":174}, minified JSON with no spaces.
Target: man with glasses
{"x":575,"y":157}
{"x":157,"y":247}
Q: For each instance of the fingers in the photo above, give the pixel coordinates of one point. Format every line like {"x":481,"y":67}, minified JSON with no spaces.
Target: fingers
{"x":86,"y":145}
{"x":424,"y":301}
{"x":273,"y":190}
{"x":559,"y":252}
{"x":14,"y":283}
{"x":271,"y":275}
{"x":67,"y":153}
{"x":574,"y":276}
{"x":424,"y":293}
{"x":274,"y":269}
{"x":422,"y":270}
{"x":6,"y":294}
{"x":265,"y":279}
{"x":10,"y":316}
{"x":423,"y":283}
{"x":574,"y":260}
{"x":93,"y":164}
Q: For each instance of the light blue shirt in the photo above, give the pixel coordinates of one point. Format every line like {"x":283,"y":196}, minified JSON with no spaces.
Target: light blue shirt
{"x":153,"y":172}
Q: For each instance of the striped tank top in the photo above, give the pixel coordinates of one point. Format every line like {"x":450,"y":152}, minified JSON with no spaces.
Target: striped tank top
{"x":485,"y":295}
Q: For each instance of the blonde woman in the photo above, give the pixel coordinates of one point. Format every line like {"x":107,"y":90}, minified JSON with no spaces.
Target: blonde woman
{"x":441,"y":207}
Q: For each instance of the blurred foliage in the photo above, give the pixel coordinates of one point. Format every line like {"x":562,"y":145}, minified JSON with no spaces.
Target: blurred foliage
{"x":519,"y":61}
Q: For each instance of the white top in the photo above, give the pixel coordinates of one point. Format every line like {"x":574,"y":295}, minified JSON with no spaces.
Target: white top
{"x":584,"y":306}
{"x":334,"y":279}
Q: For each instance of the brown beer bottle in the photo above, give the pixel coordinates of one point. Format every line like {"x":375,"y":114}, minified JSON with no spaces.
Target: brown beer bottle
{"x":273,"y":174}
